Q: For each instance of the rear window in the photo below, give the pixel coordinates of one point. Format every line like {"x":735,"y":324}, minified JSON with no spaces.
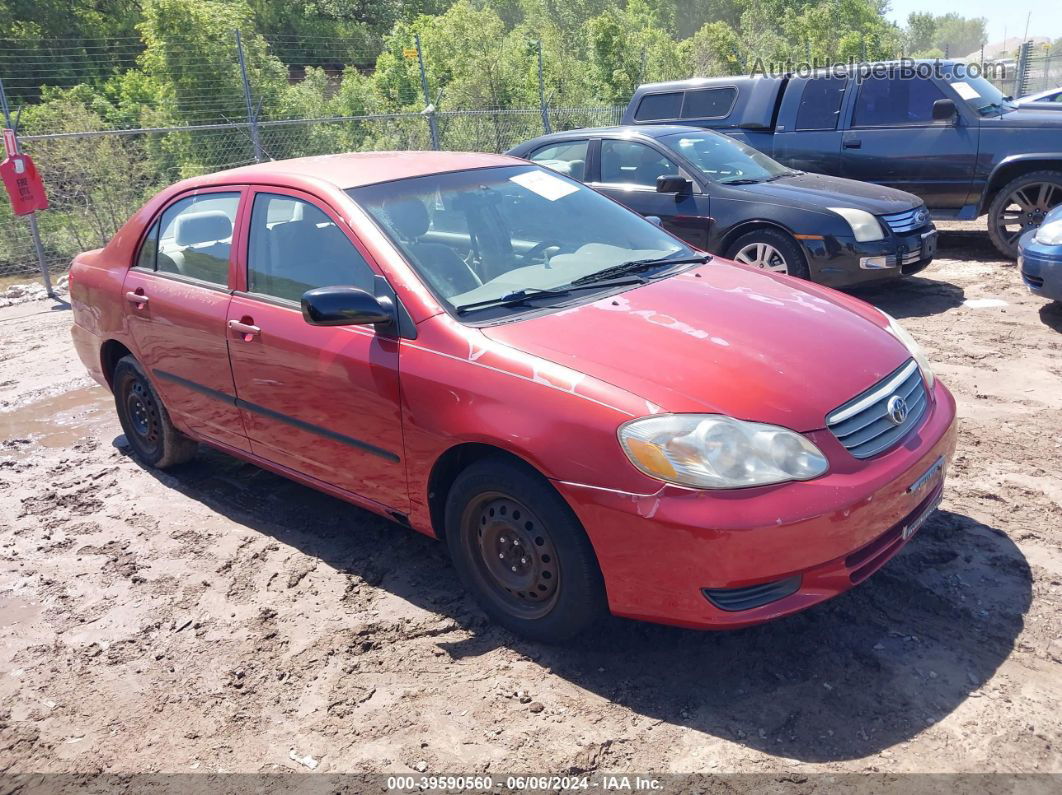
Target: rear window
{"x":659,"y":106}
{"x":709,"y":103}
{"x":820,"y":103}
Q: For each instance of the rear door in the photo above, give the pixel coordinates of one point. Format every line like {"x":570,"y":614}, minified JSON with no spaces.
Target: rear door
{"x":893,"y":140}
{"x":177,"y":299}
{"x":627,"y":170}
{"x":813,"y":140}
{"x":322,"y":401}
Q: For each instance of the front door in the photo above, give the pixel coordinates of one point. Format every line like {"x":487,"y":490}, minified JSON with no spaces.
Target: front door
{"x":322,"y":401}
{"x":177,"y":299}
{"x":893,"y":140}
{"x":627,"y":172}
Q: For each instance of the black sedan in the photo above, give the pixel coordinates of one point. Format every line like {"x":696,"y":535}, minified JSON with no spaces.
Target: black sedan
{"x":727,"y":198}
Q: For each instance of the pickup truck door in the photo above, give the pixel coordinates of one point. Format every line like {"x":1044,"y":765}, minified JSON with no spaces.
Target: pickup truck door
{"x":893,"y":140}
{"x":627,"y":170}
{"x":808,"y":136}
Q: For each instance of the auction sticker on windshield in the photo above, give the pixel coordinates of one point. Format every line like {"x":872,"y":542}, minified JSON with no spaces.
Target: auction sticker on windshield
{"x":544,"y":185}
{"x":966,"y":91}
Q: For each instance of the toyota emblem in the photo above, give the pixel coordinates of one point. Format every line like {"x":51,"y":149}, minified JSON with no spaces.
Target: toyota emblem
{"x":896,"y":409}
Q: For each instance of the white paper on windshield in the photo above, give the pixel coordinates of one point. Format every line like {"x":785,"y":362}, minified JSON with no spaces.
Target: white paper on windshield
{"x":545,"y":185}
{"x":966,"y":91}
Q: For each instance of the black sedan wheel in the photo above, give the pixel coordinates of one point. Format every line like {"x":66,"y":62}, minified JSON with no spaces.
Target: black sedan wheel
{"x":1020,"y":206}
{"x":521,"y":552}
{"x":146,"y":423}
{"x":771,"y":250}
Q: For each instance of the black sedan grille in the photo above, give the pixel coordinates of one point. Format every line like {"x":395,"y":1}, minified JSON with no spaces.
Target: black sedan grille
{"x":907,"y":221}
{"x":865,"y":425}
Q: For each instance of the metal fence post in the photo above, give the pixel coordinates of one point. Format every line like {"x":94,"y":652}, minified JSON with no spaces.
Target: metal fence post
{"x":428,"y":107}
{"x":32,"y":217}
{"x":542,"y":93}
{"x":252,"y":117}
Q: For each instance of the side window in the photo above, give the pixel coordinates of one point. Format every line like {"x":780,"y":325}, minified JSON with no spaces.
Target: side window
{"x":820,"y":103}
{"x":891,"y":101}
{"x":709,"y":103}
{"x":145,"y":258}
{"x":659,"y":106}
{"x":568,"y":158}
{"x":633,"y":163}
{"x":195,"y":237}
{"x":295,"y":247}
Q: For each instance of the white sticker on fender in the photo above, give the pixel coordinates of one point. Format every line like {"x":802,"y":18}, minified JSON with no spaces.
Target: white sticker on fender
{"x":545,"y":185}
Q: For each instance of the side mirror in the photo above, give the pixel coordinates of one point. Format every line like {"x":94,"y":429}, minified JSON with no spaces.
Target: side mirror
{"x":673,"y":183}
{"x":655,"y":220}
{"x":944,"y":109}
{"x":345,"y":306}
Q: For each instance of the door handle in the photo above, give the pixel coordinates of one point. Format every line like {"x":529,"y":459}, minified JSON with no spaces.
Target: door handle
{"x":248,"y":330}
{"x":853,"y":143}
{"x":137,"y":298}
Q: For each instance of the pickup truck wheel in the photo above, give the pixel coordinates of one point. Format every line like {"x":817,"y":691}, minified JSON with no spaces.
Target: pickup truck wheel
{"x":148,"y":429}
{"x":770,"y":249}
{"x":522,"y":553}
{"x":1020,"y":206}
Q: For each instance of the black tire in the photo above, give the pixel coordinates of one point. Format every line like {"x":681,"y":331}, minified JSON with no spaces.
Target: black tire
{"x":1027,"y":208}
{"x":148,"y":429}
{"x":786,"y":247}
{"x":499,"y":508}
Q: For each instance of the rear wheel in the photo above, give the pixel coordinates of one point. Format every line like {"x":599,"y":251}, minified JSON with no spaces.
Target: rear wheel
{"x":1020,"y":206}
{"x":146,"y":423}
{"x":771,"y":250}
{"x":522,"y":553}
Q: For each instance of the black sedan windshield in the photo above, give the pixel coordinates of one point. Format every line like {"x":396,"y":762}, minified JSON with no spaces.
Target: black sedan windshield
{"x":723,"y":159}
{"x":485,"y":236}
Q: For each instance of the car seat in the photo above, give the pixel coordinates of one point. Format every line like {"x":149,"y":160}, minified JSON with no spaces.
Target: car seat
{"x":203,"y":242}
{"x":447,"y":273}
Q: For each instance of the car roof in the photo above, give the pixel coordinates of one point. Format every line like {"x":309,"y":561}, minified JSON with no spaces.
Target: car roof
{"x":353,"y":169}
{"x":632,"y":130}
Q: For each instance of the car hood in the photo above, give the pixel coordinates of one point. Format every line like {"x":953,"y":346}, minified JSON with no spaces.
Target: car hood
{"x":819,"y":191}
{"x":1025,"y":117}
{"x":721,"y":338}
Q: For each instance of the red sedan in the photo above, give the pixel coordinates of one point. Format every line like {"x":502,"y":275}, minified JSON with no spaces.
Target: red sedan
{"x":592,"y":414}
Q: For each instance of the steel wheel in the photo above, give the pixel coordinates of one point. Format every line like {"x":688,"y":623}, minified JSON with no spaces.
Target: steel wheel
{"x":514,"y":554}
{"x":1025,"y":208}
{"x":762,"y":255}
{"x":143,"y":413}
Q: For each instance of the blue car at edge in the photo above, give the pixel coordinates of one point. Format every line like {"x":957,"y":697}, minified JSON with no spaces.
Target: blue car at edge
{"x":1040,"y":257}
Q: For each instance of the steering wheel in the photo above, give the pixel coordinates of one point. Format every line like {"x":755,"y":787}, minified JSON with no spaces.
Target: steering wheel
{"x":540,"y":248}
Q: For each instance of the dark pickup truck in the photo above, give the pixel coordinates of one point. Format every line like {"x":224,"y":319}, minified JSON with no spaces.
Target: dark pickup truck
{"x":937,"y":129}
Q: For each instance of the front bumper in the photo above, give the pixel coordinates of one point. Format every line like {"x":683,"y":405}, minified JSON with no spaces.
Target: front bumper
{"x":1040,"y":266}
{"x":841,"y":261}
{"x":660,"y":552}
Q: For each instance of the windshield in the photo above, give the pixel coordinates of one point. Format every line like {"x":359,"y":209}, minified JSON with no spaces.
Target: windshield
{"x":979,"y":94}
{"x":483,"y":235}
{"x":723,"y":159}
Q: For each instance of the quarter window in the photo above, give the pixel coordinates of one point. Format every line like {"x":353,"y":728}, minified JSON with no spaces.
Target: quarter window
{"x":820,"y":103}
{"x":659,"y":106}
{"x":893,"y":101}
{"x":195,"y":237}
{"x":633,"y":163}
{"x":568,"y":158}
{"x":294,"y":247}
{"x":708,"y":103}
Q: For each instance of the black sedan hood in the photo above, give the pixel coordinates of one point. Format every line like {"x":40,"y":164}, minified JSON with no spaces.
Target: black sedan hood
{"x":818,"y":191}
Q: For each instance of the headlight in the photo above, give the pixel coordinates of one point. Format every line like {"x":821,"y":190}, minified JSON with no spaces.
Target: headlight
{"x":865,"y":226}
{"x":1050,"y":234}
{"x":710,"y":451}
{"x":919,"y":355}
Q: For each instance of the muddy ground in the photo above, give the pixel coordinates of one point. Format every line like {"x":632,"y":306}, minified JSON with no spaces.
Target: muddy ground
{"x":221,"y":618}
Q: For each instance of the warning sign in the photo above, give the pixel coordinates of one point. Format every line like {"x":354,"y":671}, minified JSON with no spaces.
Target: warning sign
{"x":23,"y":183}
{"x":409,"y":52}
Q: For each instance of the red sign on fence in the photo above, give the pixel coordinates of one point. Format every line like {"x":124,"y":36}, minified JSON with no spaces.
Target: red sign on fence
{"x":22,"y":181}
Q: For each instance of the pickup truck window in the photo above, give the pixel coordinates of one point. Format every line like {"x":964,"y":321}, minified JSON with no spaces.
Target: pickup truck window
{"x":709,"y":103}
{"x":892,"y":101}
{"x":820,"y":103}
{"x":659,"y":106}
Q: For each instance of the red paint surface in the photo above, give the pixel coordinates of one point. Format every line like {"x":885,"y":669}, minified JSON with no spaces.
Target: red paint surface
{"x":551,"y":390}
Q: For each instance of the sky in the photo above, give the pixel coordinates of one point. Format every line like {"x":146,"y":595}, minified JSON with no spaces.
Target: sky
{"x":1046,"y":16}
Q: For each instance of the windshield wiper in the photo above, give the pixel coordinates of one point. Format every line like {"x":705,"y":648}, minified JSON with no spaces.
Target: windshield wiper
{"x":740,"y":181}
{"x":634,"y":266}
{"x":521,"y":297}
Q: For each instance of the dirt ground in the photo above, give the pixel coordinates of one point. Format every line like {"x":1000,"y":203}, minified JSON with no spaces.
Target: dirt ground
{"x":220,"y":618}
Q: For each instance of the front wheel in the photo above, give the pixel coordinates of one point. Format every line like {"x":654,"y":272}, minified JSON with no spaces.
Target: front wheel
{"x":522,"y":553}
{"x":146,"y":423}
{"x":769,"y":249}
{"x":1020,"y":206}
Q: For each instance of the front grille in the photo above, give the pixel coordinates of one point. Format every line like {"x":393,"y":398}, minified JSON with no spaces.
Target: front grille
{"x":734,"y":599}
{"x":863,"y":424}
{"x":908,"y":259}
{"x":907,"y":221}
